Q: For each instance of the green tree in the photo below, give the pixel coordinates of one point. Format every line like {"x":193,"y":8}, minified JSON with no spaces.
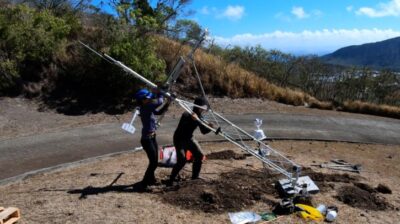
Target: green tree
{"x":148,"y":19}
{"x":29,"y":41}
{"x":60,"y":7}
{"x":384,"y":84}
{"x":186,"y":30}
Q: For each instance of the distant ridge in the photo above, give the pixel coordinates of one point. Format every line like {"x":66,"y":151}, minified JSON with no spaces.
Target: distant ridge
{"x":380,"y":55}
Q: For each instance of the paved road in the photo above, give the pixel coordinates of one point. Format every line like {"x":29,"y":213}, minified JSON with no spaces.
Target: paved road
{"x":29,"y":153}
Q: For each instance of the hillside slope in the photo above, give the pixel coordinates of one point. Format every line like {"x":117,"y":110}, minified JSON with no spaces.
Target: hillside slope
{"x":379,"y":55}
{"x":226,"y":79}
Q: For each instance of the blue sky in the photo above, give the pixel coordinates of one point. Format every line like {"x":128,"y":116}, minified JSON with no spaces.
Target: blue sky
{"x":298,"y":26}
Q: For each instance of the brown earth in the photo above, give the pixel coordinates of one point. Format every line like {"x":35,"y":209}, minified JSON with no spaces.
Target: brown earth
{"x":226,"y":154}
{"x":103,"y":191}
{"x":360,"y":198}
{"x":231,"y":191}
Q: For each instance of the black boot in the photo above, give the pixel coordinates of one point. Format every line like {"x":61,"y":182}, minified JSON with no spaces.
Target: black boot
{"x":196,"y":169}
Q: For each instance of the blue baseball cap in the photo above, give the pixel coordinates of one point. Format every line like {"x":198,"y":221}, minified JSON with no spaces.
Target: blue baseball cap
{"x":143,"y":94}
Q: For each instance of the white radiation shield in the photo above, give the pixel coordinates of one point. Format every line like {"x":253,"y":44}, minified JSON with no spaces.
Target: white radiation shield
{"x":128,"y":127}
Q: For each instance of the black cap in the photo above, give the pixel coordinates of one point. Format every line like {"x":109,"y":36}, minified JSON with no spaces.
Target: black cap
{"x":200,"y":101}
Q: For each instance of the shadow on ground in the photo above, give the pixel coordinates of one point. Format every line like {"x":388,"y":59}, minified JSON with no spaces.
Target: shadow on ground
{"x":75,"y":105}
{"x":89,"y":190}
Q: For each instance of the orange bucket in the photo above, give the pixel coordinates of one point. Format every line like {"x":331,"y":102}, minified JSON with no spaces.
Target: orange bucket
{"x":189,"y":156}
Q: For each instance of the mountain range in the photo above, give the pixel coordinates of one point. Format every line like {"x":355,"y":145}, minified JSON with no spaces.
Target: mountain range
{"x":379,"y":55}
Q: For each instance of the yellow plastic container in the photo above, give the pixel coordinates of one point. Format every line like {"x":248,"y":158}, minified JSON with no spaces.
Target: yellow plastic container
{"x":309,"y":213}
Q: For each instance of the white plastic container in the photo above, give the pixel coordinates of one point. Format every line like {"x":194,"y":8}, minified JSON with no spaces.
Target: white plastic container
{"x":331,"y":216}
{"x":322,"y":208}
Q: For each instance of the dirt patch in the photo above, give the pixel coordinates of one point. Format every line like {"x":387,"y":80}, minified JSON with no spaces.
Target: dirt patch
{"x":359,"y":198}
{"x":45,"y":199}
{"x":226,"y":154}
{"x":365,"y":187}
{"x":240,"y":188}
{"x":326,"y":182}
{"x":381,"y":188}
{"x":233,"y":191}
{"x":324,"y":177}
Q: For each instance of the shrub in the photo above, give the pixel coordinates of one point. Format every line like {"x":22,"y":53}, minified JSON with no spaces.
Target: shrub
{"x":92,"y":84}
{"x":29,"y":41}
{"x":370,"y":108}
{"x":8,"y":76}
{"x":139,"y":54}
{"x":314,"y":103}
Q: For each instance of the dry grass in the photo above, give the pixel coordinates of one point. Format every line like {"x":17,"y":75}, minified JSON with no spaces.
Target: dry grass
{"x":227,"y":79}
{"x":221,"y":78}
{"x":323,"y":105}
{"x":369,"y":108}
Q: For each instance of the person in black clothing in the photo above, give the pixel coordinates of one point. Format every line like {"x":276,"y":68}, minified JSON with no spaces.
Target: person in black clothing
{"x":184,"y":140}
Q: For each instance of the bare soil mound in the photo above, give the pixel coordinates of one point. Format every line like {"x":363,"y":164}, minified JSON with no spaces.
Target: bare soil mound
{"x":383,"y":189}
{"x":226,"y":154}
{"x":326,"y":182}
{"x":365,"y":187}
{"x":240,"y":188}
{"x":360,"y":198}
{"x":232,"y":191}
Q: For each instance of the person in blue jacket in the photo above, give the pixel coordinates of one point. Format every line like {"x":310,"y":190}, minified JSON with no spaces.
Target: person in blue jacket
{"x":150,"y":104}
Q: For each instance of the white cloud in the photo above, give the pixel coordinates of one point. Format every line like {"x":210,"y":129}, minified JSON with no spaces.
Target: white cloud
{"x":233,"y":12}
{"x":349,"y":8}
{"x":391,"y":8}
{"x":317,"y":12}
{"x":309,"y":42}
{"x":205,"y":10}
{"x":282,"y":16}
{"x":299,"y":12}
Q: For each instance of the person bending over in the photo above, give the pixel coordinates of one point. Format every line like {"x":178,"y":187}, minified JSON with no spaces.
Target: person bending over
{"x":184,"y":140}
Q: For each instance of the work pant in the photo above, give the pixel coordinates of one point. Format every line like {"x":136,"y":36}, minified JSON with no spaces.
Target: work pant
{"x":150,"y":146}
{"x":181,"y":146}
